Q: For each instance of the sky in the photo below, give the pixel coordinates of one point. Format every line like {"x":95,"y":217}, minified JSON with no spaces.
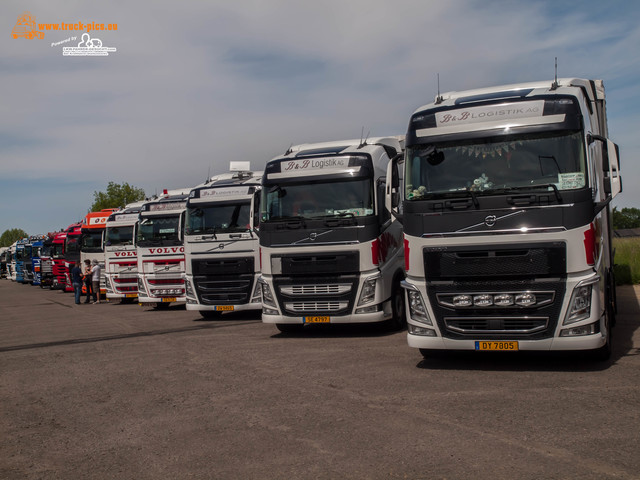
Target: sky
{"x":194,"y":85}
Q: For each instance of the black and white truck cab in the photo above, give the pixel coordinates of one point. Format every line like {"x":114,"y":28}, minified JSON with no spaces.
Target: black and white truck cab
{"x":331,"y":252}
{"x":507,"y":219}
{"x":221,"y":243}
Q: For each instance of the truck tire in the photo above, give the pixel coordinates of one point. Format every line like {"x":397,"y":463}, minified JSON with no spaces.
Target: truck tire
{"x":399,"y":320}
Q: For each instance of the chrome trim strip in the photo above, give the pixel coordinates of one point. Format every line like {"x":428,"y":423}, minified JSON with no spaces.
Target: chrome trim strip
{"x":496,"y":232}
{"x":476,"y":331}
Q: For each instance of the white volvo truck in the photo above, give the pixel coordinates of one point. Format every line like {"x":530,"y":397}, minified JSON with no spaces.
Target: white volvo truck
{"x":331,"y":252}
{"x":160,"y":249}
{"x":221,"y":243}
{"x":120,"y":255}
{"x":507,"y":219}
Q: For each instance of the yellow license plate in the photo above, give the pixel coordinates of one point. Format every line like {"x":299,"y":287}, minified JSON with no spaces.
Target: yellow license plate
{"x":323,"y":319}
{"x":130,"y":295}
{"x":224,"y":308}
{"x":168,"y":299}
{"x":493,"y":345}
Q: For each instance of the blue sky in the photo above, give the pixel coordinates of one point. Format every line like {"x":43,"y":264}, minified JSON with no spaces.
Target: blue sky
{"x":194,"y":85}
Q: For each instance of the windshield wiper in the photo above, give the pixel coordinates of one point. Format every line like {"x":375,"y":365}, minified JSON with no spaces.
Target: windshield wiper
{"x":286,"y":218}
{"x":535,"y":187}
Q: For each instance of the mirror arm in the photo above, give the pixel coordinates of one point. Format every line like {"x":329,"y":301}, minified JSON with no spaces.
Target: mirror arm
{"x":599,"y":206}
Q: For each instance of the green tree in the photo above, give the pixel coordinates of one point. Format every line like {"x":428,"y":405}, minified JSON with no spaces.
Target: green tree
{"x":626,"y":218}
{"x":10,"y":236}
{"x":117,"y":195}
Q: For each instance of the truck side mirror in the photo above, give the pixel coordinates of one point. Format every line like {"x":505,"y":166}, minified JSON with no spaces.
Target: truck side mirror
{"x":392,"y":191}
{"x":613,"y":180}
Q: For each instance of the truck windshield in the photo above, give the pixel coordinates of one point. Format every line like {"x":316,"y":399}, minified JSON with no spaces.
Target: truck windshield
{"x":554,"y":160}
{"x":353,"y":198}
{"x":57,"y":250}
{"x":218,"y":218}
{"x":91,"y":242}
{"x":158,"y":230}
{"x":119,"y":236}
{"x":72,"y":244}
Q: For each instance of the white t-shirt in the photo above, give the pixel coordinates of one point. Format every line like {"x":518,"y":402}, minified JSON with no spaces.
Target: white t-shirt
{"x":95,"y":273}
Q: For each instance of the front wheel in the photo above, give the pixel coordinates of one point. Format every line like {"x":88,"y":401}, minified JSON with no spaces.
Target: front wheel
{"x":399,"y":320}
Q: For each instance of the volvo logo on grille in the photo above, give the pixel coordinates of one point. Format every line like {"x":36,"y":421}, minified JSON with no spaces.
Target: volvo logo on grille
{"x":313,"y":236}
{"x":221,"y":246}
{"x":490,"y":220}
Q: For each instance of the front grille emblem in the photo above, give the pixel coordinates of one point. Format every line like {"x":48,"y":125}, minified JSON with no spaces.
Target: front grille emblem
{"x":490,"y":220}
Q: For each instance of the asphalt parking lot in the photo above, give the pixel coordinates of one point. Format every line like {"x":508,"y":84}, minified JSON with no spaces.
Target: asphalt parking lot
{"x":123,"y":391}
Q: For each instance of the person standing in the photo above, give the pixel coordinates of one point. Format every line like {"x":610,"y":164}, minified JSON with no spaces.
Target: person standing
{"x":87,"y":279}
{"x":76,"y":281}
{"x":95,"y":281}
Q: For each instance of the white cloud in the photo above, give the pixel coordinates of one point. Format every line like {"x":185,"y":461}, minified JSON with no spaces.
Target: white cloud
{"x":194,"y":85}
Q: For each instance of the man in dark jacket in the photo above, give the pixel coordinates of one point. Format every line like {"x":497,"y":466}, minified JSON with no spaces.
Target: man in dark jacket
{"x":76,"y":281}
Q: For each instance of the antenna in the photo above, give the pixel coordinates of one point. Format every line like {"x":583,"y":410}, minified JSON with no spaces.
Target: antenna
{"x":208,"y":175}
{"x":363,"y":142}
{"x":288,"y":150}
{"x":555,"y":85}
{"x":439,"y":98}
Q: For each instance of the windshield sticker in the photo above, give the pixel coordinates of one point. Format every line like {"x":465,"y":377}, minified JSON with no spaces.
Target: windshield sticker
{"x":571,"y":181}
{"x":225,"y":192}
{"x":161,"y":207}
{"x":505,"y":111}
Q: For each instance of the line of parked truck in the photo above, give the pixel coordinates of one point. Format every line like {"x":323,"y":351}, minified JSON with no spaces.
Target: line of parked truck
{"x":486,"y":227}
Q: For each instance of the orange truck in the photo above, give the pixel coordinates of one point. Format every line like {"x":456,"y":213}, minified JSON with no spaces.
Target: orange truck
{"x":91,"y":242}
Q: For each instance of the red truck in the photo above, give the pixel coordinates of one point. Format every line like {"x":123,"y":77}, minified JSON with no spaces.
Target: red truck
{"x":66,"y":252}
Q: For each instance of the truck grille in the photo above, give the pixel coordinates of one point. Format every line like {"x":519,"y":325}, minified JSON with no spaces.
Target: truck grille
{"x":497,"y":292}
{"x":300,"y":295}
{"x":539,"y":260}
{"x":224,"y":289}
{"x":224,"y":281}
{"x":535,"y":321}
{"x":316,"y":289}
{"x":306,"y":307}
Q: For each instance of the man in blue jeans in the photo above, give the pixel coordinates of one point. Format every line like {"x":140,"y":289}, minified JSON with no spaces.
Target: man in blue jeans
{"x":76,"y":281}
